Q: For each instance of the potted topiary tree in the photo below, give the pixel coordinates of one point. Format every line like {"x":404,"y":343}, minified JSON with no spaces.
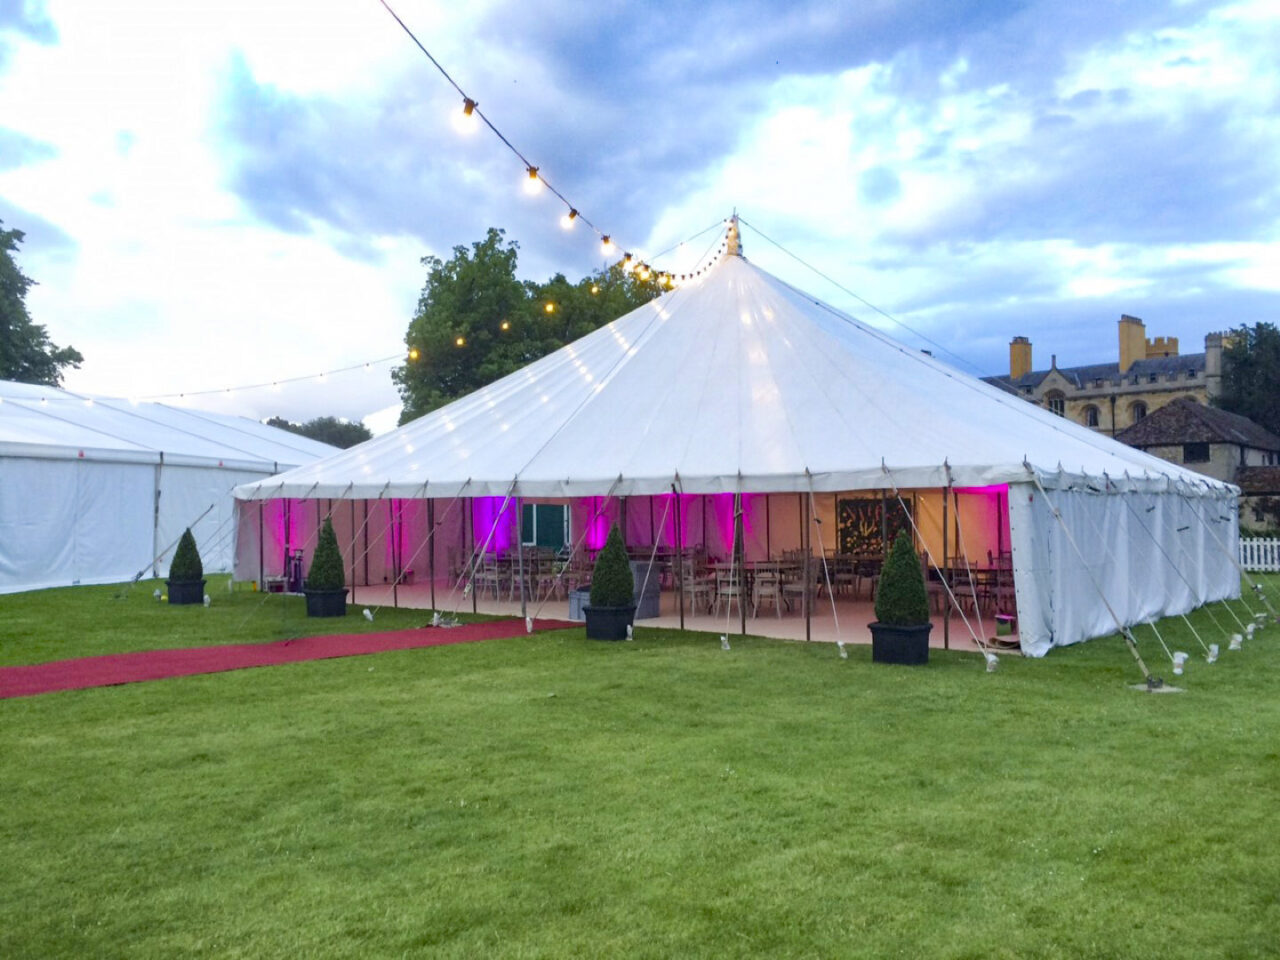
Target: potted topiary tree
{"x":901,"y":631}
{"x":325,"y":586}
{"x":612,"y":606}
{"x":186,"y":572}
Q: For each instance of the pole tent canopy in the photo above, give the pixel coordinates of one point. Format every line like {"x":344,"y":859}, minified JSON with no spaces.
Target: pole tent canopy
{"x":737,"y":382}
{"x":94,"y":489}
{"x":734,"y":381}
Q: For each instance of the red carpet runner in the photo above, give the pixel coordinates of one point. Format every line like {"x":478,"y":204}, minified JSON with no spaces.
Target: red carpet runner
{"x":112,"y":669}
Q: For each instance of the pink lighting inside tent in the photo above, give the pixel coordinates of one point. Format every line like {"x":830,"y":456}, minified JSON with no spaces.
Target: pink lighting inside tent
{"x":487,"y":511}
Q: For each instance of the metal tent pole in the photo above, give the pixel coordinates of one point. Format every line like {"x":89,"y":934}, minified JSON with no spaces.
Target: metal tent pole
{"x":431,"y":549}
{"x":524,"y":609}
{"x":741,"y":549}
{"x":806,"y":544}
{"x":946,"y":620}
{"x":679,"y":558}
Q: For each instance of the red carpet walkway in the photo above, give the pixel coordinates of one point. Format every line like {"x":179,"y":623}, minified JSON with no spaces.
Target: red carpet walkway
{"x":112,"y":669}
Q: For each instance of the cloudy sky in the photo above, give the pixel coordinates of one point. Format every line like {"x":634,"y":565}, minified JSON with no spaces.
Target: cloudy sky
{"x":226,"y":192}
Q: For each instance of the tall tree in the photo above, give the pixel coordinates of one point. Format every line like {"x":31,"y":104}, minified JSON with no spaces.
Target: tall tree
{"x":477,"y":322}
{"x":26,"y":353}
{"x":1251,"y":375}
{"x":330,"y":430}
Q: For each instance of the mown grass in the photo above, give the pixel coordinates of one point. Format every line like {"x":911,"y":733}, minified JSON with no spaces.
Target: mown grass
{"x":547,"y":796}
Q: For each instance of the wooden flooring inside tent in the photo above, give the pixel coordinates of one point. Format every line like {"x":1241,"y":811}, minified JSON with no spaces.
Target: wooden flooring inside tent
{"x":852,"y":615}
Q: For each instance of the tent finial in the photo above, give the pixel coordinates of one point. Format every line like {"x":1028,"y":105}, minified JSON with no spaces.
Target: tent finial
{"x":733,"y":239}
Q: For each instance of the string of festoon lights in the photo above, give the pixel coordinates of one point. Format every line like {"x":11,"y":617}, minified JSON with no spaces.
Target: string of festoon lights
{"x":534,"y":181}
{"x":366,"y":365}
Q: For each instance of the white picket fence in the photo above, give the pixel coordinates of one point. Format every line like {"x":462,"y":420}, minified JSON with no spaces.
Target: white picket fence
{"x":1257,"y":554}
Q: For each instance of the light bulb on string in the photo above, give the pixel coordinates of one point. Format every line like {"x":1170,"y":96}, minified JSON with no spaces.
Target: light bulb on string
{"x":413,"y":353}
{"x":567,"y":220}
{"x":532,"y":184}
{"x":465,"y":121}
{"x":606,"y":245}
{"x":460,"y":342}
{"x":549,"y":307}
{"x":506,"y":324}
{"x":595,"y":288}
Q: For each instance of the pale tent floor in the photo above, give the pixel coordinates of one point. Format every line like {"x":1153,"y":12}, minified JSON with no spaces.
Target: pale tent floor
{"x":853,"y":615}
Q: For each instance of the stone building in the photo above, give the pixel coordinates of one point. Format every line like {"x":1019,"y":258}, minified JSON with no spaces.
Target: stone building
{"x":1109,"y":397}
{"x":1222,"y":445}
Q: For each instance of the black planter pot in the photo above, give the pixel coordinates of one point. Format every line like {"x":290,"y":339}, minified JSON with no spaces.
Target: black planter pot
{"x":326,"y":603}
{"x":185,"y":591}
{"x":608,"y":623}
{"x":908,"y":645}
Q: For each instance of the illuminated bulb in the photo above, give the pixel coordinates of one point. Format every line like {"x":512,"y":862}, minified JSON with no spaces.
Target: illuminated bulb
{"x":645,"y":272}
{"x":506,"y":324}
{"x":413,"y":353}
{"x":460,"y":342}
{"x":532,"y":184}
{"x":550,"y":307}
{"x":595,"y":288}
{"x":626,"y":259}
{"x":465,"y":122}
{"x":567,"y":220}
{"x":607,"y":247}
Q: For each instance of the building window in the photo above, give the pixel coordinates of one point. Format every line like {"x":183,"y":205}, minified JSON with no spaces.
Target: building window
{"x":1191,"y":374}
{"x":1056,"y":402}
{"x":1152,"y":377}
{"x":1138,"y":411}
{"x":1195,"y":453}
{"x":1091,"y":416}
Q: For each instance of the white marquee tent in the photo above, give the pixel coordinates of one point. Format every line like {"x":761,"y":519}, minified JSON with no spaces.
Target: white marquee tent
{"x":97,"y":490}
{"x":739,"y":383}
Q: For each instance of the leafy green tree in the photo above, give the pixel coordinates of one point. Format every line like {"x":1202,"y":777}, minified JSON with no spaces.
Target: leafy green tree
{"x":612,"y":584}
{"x":330,"y":430}
{"x":326,"y":571}
{"x":477,"y":322}
{"x":26,"y":353}
{"x":1251,"y":375}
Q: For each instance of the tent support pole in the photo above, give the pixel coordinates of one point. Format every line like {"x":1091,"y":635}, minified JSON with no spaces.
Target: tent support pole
{"x":768,"y":541}
{"x":653,"y":541}
{"x":741,"y":549}
{"x":524,"y":607}
{"x":946,"y":621}
{"x":679,"y":559}
{"x":393,"y":524}
{"x":262,"y":573}
{"x":807,"y":546}
{"x":353,"y":551}
{"x":431,"y":549}
{"x":884,"y":526}
{"x":471,"y":514}
{"x":366,"y":541}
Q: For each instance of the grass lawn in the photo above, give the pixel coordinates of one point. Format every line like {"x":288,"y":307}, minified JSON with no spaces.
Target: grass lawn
{"x":547,"y":796}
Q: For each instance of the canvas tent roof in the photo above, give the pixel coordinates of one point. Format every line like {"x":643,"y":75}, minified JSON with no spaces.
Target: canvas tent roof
{"x":735,"y":381}
{"x":48,"y":423}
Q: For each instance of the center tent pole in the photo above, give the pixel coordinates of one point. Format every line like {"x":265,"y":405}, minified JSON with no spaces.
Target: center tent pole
{"x":679,"y":558}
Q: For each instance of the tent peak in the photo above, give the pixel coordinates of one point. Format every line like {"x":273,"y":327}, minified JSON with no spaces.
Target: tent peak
{"x":733,"y":238}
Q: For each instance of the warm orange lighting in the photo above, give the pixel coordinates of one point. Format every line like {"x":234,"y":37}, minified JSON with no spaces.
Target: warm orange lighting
{"x":460,"y":342}
{"x":550,"y":307}
{"x":506,"y":324}
{"x":567,"y":220}
{"x":532,"y":184}
{"x":465,"y":122}
{"x":595,"y":288}
{"x":606,"y":245}
{"x":413,"y":353}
